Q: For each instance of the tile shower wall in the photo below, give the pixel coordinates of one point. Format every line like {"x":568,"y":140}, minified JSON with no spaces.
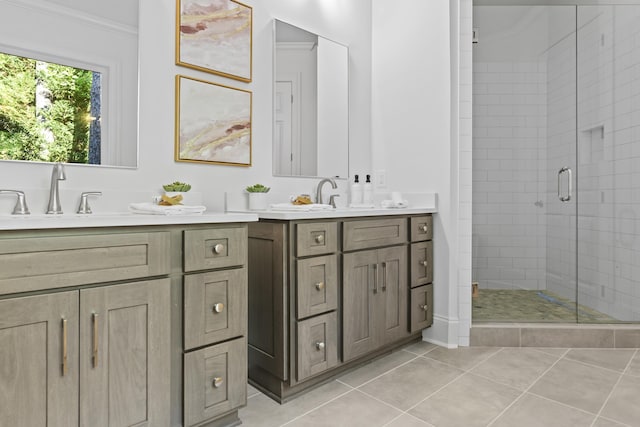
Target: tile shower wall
{"x":509,"y":144}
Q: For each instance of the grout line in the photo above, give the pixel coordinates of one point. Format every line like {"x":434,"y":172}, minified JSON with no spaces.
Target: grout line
{"x":526,"y":390}
{"x":626,"y":369}
{"x":319,"y":406}
{"x":590,"y":365}
{"x":390,"y":370}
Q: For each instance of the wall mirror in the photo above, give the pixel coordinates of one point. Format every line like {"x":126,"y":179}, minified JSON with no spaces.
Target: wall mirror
{"x":69,"y":81}
{"x":311,"y":104}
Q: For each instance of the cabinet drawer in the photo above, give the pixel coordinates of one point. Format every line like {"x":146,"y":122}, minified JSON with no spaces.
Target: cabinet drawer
{"x":374,"y":233}
{"x":316,"y":238}
{"x":215,"y":380}
{"x":421,"y":307}
{"x":317,"y":345}
{"x":214,"y":248}
{"x":30,"y":264}
{"x":421,"y":228}
{"x":421,"y":263}
{"x":215,"y":307}
{"x":317,"y":285}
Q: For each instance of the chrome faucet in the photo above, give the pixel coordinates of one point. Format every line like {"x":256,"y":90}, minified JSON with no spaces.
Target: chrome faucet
{"x":54,"y":194}
{"x":319,"y":188}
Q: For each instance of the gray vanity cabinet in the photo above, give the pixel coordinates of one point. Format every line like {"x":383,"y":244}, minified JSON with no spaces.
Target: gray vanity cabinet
{"x":326,"y":295}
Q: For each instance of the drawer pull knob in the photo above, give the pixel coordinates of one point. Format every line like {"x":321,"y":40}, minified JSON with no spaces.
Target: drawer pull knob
{"x":423,"y":228}
{"x":217,"y":382}
{"x":424,"y":263}
{"x":320,"y":286}
{"x":319,"y":345}
{"x":218,"y":308}
{"x":424,"y":307}
{"x":319,"y":238}
{"x":218,"y":249}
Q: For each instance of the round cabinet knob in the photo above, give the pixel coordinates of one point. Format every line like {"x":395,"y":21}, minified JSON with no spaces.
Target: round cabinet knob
{"x":319,"y":238}
{"x":218,"y":308}
{"x":424,"y":307}
{"x":218,"y":249}
{"x":424,"y":263}
{"x":320,"y":286}
{"x":319,"y":346}
{"x":423,"y":228}
{"x":217,"y":382}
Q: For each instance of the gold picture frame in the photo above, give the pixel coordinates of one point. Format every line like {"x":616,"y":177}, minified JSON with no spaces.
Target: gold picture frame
{"x":213,"y":123}
{"x":215,"y":39}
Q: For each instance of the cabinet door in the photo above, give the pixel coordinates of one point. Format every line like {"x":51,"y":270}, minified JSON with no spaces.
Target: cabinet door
{"x":421,"y":307}
{"x":39,"y":360}
{"x":316,"y":285}
{"x":317,"y":345}
{"x":124,"y":354}
{"x":359,"y":311}
{"x":392,"y":280}
{"x":421,"y":263}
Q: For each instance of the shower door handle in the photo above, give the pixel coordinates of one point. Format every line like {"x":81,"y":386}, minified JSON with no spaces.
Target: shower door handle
{"x":569,"y":184}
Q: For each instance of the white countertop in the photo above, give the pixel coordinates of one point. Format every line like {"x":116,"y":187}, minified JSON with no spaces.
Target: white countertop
{"x":340,"y":213}
{"x":31,"y":222}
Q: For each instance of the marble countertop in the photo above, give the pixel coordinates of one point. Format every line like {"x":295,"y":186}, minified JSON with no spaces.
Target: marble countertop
{"x":32,"y":222}
{"x":339,"y":213}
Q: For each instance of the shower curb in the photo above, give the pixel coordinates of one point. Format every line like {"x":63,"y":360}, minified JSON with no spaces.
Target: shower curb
{"x":555,"y":335}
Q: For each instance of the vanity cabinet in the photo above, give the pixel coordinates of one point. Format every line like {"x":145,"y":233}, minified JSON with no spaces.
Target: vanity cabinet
{"x":328,"y":294}
{"x":123,"y":326}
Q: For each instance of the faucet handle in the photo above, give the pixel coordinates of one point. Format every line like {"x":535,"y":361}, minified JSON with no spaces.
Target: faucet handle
{"x":21,"y":204}
{"x":332,"y":200}
{"x":84,"y":207}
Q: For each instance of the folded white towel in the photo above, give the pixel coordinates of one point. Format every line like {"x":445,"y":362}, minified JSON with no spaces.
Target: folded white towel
{"x":298,"y":208}
{"x":391,"y":204}
{"x":153,"y":209}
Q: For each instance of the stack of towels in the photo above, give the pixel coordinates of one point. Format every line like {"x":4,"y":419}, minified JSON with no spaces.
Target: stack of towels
{"x":153,"y":209}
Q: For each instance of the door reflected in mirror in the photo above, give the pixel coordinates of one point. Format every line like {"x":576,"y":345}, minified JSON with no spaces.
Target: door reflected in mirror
{"x":311,"y":104}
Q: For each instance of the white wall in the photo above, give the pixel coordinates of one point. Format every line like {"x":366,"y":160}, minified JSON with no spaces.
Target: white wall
{"x":411,"y":115}
{"x":346,"y":22}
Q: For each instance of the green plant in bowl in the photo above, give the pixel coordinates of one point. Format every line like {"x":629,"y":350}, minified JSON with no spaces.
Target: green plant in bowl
{"x":257,"y":188}
{"x":177,"y":186}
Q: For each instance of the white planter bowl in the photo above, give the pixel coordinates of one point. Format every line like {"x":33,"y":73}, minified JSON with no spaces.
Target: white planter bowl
{"x":257,"y":201}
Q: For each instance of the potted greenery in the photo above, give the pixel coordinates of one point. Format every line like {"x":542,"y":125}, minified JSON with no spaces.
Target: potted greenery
{"x":174,"y":193}
{"x":257,"y":196}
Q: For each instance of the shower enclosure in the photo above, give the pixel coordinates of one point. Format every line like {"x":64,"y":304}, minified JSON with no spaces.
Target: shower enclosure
{"x":556,"y":163}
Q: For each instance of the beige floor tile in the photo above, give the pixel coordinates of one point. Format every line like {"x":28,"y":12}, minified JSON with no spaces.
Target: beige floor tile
{"x":615,"y":359}
{"x":624,"y":404}
{"x":634,"y":367}
{"x":552,"y":351}
{"x":419,"y":348}
{"x":262,"y":411}
{"x":577,"y":385}
{"x":353,"y":409}
{"x":604,"y":422}
{"x":516,"y":367}
{"x":533,"y":411}
{"x":252,"y":391}
{"x":377,"y":367}
{"x":467,"y":402}
{"x":462,"y":357}
{"x":406,"y":420}
{"x":410,"y":383}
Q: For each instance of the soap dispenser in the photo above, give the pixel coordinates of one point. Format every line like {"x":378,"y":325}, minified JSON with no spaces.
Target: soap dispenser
{"x":356,"y":192}
{"x":367,"y":193}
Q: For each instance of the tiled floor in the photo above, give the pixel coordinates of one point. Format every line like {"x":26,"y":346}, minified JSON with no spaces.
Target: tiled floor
{"x":519,"y":305}
{"x":424,"y":385}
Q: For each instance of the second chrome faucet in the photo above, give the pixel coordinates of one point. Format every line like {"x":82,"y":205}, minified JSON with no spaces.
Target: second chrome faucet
{"x":57,"y":175}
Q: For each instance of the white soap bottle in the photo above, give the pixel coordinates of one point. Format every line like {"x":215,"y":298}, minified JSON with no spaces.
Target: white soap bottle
{"x":356,"y":192}
{"x":367,"y":193}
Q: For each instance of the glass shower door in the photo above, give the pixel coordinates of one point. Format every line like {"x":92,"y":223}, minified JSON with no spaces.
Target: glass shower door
{"x":608,"y":124}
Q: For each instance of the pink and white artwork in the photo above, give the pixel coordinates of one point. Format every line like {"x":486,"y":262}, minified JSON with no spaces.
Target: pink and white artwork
{"x":215,"y":36}
{"x":213,"y":123}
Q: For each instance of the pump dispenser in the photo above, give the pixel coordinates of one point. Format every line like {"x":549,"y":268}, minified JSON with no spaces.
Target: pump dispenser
{"x":367,"y":194}
{"x":356,"y":191}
